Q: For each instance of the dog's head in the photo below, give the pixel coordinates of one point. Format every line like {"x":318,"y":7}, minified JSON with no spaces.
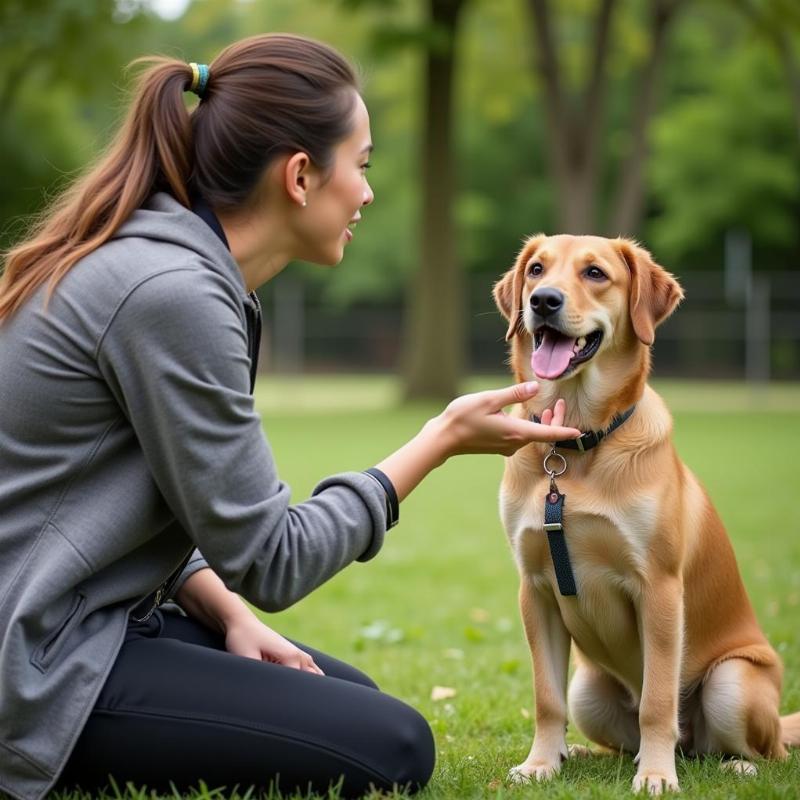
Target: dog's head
{"x":574,"y":298}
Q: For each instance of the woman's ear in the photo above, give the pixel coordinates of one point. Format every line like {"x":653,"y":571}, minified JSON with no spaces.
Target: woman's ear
{"x":654,"y":293}
{"x":296,"y":177}
{"x":508,"y":290}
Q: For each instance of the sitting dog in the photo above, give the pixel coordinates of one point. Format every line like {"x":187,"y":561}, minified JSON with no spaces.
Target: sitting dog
{"x":618,"y":547}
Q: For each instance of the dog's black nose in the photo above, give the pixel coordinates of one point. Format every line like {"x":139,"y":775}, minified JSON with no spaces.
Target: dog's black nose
{"x":546,"y":301}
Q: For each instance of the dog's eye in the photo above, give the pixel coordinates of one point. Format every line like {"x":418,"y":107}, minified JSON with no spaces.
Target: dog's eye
{"x":595,"y":273}
{"x":535,"y":269}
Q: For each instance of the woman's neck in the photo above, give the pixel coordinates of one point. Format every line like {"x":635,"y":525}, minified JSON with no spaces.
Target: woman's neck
{"x":258,"y":245}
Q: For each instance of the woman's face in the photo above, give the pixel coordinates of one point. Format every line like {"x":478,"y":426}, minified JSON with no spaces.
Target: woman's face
{"x":334,"y":201}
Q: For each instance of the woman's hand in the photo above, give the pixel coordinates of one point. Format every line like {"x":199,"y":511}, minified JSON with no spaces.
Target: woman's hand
{"x":206,"y":598}
{"x":473,"y":423}
{"x":476,"y":423}
{"x":247,"y":636}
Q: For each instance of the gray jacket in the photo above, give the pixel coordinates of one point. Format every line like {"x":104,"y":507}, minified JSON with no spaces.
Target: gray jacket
{"x":128,"y":437}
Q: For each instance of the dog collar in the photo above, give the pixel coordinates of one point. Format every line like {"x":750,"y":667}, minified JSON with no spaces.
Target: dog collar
{"x":586,"y":441}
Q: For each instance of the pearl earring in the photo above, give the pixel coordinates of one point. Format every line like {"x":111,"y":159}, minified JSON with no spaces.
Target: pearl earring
{"x":304,"y":203}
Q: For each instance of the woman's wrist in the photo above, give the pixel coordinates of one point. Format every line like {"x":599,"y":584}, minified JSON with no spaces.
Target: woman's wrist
{"x":439,"y":439}
{"x":206,"y":598}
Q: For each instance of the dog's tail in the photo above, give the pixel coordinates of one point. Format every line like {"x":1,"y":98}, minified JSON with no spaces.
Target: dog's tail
{"x":790,"y":729}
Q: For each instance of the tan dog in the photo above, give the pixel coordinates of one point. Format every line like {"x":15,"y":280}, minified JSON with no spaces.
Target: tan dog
{"x":668,"y":649}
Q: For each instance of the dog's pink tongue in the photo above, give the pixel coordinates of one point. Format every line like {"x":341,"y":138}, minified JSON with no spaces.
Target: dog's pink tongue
{"x":553,"y":355}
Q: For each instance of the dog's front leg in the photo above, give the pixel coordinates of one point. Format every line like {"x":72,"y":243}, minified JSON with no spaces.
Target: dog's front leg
{"x":661,"y":623}
{"x":549,"y":642}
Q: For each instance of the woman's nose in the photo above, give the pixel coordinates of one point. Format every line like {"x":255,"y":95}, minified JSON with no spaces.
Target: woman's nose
{"x":369,"y":195}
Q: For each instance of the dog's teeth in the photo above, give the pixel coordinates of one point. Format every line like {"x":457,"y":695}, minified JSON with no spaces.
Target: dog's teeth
{"x":581,"y":343}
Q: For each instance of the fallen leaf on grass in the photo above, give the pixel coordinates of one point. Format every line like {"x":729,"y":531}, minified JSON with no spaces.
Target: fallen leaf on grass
{"x":525,"y":713}
{"x":479,"y":615}
{"x":443,"y":693}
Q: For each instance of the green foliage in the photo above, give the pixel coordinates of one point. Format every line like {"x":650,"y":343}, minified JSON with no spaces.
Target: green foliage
{"x":60,"y":61}
{"x":723,"y":148}
{"x":725,"y":153}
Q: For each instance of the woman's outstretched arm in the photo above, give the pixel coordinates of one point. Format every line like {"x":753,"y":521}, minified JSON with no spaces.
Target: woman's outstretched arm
{"x":473,"y":423}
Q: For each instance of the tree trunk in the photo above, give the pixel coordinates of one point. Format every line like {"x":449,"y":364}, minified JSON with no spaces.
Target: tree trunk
{"x":575,"y":130}
{"x":434,"y":342}
{"x":629,"y":205}
{"x":573,"y":134}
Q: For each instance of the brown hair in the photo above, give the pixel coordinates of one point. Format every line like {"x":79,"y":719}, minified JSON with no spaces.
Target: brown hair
{"x":266,"y":96}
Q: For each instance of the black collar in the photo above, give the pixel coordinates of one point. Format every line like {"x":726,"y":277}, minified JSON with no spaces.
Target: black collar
{"x":586,"y":441}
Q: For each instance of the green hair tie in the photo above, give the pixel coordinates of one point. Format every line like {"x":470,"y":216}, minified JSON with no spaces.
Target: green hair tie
{"x":200,"y":74}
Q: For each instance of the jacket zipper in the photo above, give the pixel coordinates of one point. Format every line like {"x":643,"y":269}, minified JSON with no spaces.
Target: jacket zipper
{"x":164,"y":590}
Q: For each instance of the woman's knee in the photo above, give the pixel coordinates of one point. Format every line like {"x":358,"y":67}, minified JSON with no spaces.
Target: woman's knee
{"x":408,"y":753}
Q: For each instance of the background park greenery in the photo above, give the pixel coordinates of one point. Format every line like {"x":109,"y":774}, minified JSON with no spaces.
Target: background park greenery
{"x":668,"y":120}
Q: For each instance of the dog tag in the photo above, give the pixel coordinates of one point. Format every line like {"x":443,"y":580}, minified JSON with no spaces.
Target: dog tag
{"x":554,"y":525}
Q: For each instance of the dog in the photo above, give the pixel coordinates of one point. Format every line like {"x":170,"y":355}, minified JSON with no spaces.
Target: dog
{"x":668,"y":650}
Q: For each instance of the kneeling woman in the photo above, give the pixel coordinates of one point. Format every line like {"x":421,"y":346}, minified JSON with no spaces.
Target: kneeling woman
{"x":135,"y":470}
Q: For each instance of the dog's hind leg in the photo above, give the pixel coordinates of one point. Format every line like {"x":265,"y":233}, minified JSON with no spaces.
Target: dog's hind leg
{"x":603,"y":710}
{"x":740,"y":702}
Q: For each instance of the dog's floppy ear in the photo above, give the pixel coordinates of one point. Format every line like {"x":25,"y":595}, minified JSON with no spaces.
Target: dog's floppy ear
{"x":654,"y":292}
{"x":508,"y":290}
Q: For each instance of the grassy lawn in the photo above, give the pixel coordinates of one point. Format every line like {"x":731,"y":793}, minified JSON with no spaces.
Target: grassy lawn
{"x":437,"y":607}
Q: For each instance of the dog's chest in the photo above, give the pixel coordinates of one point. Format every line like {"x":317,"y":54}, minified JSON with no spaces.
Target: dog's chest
{"x":610,"y":537}
{"x":608,"y":545}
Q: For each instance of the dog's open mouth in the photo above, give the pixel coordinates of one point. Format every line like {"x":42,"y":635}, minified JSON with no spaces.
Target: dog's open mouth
{"x":555,"y":354}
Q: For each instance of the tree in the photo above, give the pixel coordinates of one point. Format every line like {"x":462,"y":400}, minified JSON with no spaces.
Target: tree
{"x":434,"y":357}
{"x":776,"y":20}
{"x":577,"y":120}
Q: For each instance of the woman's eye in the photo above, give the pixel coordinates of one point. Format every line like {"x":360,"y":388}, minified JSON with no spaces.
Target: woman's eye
{"x":535,"y":269}
{"x":595,"y":273}
{"x":366,"y":165}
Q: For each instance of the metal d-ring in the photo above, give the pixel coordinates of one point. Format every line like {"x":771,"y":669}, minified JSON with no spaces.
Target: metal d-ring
{"x":554,"y":473}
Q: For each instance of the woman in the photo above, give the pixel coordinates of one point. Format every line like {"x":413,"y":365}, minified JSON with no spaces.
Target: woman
{"x":130,"y":445}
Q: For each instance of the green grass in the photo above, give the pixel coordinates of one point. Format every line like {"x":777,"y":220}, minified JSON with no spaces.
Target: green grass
{"x":438,"y":605}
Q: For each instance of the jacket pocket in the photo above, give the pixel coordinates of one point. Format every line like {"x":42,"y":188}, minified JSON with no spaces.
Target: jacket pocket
{"x":44,"y":655}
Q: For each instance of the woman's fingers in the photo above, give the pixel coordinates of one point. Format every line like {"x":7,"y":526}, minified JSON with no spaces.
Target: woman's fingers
{"x":518,"y":393}
{"x":298,"y":659}
{"x":557,"y":416}
{"x":539,"y":432}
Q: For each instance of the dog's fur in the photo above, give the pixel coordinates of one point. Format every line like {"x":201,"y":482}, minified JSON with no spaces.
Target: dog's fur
{"x":668,"y":649}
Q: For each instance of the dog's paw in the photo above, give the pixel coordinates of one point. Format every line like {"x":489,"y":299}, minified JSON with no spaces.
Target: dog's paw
{"x":654,"y":782}
{"x":739,"y":766}
{"x":530,"y":771}
{"x":579,"y":751}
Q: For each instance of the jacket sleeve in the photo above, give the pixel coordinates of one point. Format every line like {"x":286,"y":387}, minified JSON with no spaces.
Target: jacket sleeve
{"x":175,"y":355}
{"x":195,"y":563}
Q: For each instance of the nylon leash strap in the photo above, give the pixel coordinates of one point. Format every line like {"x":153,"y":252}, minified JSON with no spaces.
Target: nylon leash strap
{"x":554,"y":525}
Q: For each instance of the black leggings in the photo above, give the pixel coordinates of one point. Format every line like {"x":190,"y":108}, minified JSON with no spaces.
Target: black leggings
{"x":177,"y":708}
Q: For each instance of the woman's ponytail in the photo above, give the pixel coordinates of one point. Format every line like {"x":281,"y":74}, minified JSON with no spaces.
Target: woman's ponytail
{"x":152,"y":150}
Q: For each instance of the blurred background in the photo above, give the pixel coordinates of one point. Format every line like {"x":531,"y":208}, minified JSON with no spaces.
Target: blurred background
{"x":674,"y":122}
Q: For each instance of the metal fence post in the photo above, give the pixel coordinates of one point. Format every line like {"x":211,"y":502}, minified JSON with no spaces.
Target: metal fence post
{"x":757,"y":331}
